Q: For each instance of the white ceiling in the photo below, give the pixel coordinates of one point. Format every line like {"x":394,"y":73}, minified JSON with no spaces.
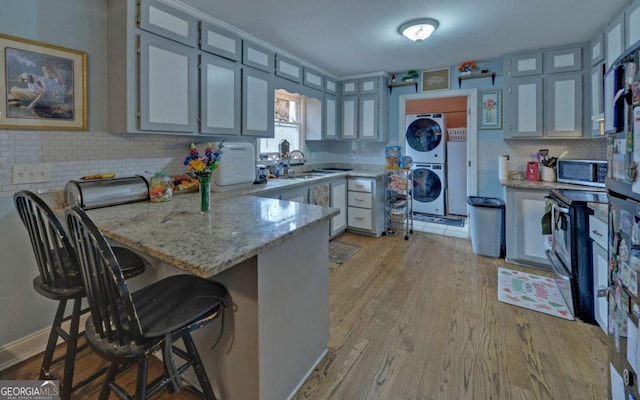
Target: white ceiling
{"x":349,"y":37}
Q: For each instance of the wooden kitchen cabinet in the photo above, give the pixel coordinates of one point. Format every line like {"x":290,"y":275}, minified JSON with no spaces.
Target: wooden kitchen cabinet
{"x":524,"y":64}
{"x":349,"y":117}
{"x":525,"y":243}
{"x":258,"y":57}
{"x":523,"y":108}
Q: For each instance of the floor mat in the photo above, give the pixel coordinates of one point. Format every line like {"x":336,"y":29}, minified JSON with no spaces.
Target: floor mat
{"x":534,"y":292}
{"x":340,"y":252}
{"x":438,"y":220}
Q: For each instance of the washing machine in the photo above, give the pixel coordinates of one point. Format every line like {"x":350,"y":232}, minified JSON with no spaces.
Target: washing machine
{"x":429,"y":187}
{"x":425,"y":138}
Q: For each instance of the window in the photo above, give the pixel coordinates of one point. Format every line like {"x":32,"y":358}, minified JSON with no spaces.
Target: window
{"x":288,"y":117}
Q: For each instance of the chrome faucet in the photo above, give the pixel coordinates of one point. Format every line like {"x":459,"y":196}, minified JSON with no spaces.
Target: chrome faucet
{"x":300,"y":160}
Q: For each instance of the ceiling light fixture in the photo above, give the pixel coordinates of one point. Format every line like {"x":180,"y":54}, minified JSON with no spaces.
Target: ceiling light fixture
{"x":418,"y":30}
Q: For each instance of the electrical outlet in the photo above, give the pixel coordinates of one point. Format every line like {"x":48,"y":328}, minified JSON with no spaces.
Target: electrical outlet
{"x":31,"y":173}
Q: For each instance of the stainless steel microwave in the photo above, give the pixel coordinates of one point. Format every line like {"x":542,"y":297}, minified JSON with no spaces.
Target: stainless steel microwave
{"x":582,"y":172}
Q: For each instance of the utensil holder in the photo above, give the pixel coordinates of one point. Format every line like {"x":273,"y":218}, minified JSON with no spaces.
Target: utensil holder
{"x":547,"y":174}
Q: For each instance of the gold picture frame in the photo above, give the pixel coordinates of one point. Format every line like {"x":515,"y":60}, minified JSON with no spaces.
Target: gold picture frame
{"x":43,"y":86}
{"x":435,"y":79}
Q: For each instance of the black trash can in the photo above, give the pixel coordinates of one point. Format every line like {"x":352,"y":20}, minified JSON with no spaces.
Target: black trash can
{"x":486,"y":225}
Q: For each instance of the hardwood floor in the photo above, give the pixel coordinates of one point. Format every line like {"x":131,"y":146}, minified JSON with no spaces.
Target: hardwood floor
{"x":420,"y":320}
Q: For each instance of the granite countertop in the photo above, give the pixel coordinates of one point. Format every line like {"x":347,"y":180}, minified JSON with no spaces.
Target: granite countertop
{"x":206,"y":244}
{"x":523,"y":184}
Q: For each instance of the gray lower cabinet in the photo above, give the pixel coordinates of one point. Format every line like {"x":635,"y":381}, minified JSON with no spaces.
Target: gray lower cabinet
{"x":525,"y":243}
{"x":338,"y":190}
{"x":257,"y":103}
{"x":365,"y":206}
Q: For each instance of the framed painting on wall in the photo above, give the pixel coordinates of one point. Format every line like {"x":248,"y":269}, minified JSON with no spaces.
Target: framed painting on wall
{"x":490,"y":112}
{"x":42,"y":86}
{"x":435,"y":79}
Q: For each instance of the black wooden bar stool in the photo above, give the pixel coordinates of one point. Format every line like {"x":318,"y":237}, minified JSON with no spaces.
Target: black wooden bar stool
{"x":60,"y":280}
{"x":127,"y":328}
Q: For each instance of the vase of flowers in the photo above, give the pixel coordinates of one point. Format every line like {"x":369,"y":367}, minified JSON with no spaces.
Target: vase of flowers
{"x":201,"y":168}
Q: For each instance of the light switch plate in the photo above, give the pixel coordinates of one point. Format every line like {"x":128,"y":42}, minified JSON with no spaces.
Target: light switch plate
{"x":31,"y":173}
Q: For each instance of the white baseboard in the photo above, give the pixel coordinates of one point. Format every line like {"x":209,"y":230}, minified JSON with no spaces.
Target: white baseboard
{"x":308,"y":374}
{"x":30,"y":345}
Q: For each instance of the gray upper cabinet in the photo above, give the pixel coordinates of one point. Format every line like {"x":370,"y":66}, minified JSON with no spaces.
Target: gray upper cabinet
{"x":330,"y":85}
{"x":632,"y":24}
{"x":597,"y":98}
{"x":597,"y":49}
{"x":158,"y":18}
{"x":563,"y":105}
{"x":257,"y":56}
{"x":221,"y":42}
{"x":220,"y":95}
{"x":523,"y":107}
{"x":257,"y":103}
{"x":152,"y":79}
{"x":368,"y":85}
{"x":288,"y":68}
{"x":563,"y":60}
{"x":168,"y":91}
{"x":524,"y":64}
{"x":545,"y":101}
{"x":312,"y":78}
{"x":614,"y":39}
{"x":349,"y":87}
{"x":364,"y":115}
{"x":331,"y":127}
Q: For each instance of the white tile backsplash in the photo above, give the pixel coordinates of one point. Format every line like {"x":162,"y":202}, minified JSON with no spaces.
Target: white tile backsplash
{"x":71,"y":155}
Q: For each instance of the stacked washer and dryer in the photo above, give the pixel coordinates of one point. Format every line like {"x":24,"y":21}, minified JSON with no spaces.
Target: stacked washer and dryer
{"x":426,"y":145}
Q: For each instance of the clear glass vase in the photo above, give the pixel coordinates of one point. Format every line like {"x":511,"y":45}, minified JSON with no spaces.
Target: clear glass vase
{"x":205,"y":192}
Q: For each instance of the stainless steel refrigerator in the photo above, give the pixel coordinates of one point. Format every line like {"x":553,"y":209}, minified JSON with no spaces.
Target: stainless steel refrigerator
{"x":623,"y":153}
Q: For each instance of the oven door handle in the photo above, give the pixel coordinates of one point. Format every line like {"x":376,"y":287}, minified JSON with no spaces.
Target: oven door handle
{"x":563,"y":210}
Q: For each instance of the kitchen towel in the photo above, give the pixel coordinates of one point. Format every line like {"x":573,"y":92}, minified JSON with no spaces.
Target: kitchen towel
{"x":537,"y":293}
{"x":503,"y":162}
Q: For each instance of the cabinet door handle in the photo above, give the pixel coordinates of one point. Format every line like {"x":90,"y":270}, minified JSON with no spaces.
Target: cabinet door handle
{"x":358,"y":218}
{"x":360,"y":200}
{"x":595,"y":232}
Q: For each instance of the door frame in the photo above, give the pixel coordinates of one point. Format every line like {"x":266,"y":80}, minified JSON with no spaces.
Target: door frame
{"x":472,"y":128}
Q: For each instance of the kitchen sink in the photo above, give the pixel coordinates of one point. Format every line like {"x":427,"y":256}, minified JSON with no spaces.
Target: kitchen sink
{"x":302,"y":176}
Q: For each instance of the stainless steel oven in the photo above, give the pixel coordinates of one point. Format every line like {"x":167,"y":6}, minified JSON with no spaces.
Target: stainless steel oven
{"x":570,"y":253}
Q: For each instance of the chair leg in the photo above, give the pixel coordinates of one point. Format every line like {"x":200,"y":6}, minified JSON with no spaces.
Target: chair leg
{"x":45,"y":372}
{"x":72,"y":345}
{"x":205,"y":383}
{"x":110,"y":377}
{"x":141,"y":381}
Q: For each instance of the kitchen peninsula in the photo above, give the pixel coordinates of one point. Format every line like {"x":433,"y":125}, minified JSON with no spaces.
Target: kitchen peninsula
{"x":272,"y":256}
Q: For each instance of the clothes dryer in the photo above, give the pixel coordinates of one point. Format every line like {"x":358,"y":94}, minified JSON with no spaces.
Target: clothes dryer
{"x":425,"y":138}
{"x":429,"y":187}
